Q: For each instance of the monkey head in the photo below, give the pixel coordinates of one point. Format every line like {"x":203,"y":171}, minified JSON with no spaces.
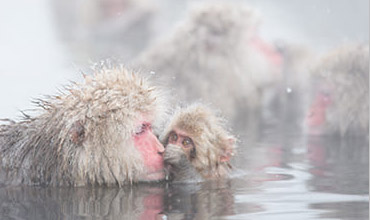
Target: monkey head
{"x":98,"y":132}
{"x":112,"y":130}
{"x":197,"y":135}
{"x":340,"y":102}
{"x":218,"y":25}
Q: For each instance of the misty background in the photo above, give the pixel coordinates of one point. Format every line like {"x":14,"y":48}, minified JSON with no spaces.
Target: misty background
{"x":46,"y":43}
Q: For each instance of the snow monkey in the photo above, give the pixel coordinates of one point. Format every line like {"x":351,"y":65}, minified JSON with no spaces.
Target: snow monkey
{"x":98,"y":132}
{"x":197,"y":146}
{"x":216,"y":54}
{"x":340,"y":103}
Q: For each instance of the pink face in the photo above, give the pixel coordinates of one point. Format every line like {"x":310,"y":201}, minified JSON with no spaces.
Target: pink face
{"x":153,"y":204}
{"x":151,"y":151}
{"x":268,"y":51}
{"x":180,"y":138}
{"x":317,"y":113}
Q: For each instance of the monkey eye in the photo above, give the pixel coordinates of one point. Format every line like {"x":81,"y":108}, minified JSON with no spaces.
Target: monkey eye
{"x":187,"y":142}
{"x":173,"y":137}
{"x":142,"y":128}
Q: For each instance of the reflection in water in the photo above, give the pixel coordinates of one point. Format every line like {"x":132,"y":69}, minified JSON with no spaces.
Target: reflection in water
{"x":278,"y":176}
{"x":199,"y":201}
{"x":143,"y":202}
{"x":283,"y":179}
{"x":343,"y":210}
{"x":339,"y":166}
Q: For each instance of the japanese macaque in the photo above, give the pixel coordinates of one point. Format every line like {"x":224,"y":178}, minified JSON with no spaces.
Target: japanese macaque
{"x":95,"y":30}
{"x":197,"y":146}
{"x":217,"y":55}
{"x":288,"y":104}
{"x":98,"y":132}
{"x":340,"y":103}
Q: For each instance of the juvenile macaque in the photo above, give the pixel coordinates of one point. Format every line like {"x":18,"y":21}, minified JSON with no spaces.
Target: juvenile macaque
{"x":340,"y":103}
{"x":98,"y":132}
{"x":197,"y":146}
{"x":217,"y":55}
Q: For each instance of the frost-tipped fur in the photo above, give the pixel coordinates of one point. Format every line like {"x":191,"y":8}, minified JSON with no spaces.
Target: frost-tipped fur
{"x":210,"y":138}
{"x":346,"y":71}
{"x":105,"y":107}
{"x":209,"y":56}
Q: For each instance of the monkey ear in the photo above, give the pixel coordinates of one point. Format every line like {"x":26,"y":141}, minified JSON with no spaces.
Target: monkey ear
{"x":77,"y":132}
{"x":227,"y":149}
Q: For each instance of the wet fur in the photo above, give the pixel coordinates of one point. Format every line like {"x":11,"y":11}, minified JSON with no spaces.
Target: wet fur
{"x":82,"y":136}
{"x":210,"y":138}
{"x":209,"y":56}
{"x":347,"y":70}
{"x":179,"y":167}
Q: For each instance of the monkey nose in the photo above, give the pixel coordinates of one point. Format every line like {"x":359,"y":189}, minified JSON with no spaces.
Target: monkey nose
{"x":160,"y":148}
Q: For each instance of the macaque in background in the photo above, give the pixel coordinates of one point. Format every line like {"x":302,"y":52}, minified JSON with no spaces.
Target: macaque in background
{"x":95,"y":30}
{"x":288,"y":104}
{"x":216,"y":55}
{"x":98,"y":132}
{"x":340,"y":103}
{"x":197,"y":146}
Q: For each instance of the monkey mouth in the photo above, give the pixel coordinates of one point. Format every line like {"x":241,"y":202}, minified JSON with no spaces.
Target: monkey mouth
{"x":168,"y":167}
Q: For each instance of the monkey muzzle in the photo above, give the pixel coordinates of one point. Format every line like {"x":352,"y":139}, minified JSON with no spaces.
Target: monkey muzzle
{"x":173,"y":154}
{"x":172,"y":157}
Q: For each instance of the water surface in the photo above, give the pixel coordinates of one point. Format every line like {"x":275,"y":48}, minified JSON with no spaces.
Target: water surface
{"x":277,"y":177}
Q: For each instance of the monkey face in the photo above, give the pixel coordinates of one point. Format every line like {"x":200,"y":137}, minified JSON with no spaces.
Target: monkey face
{"x":151,"y":151}
{"x":178,"y":156}
{"x":316,"y":117}
{"x":181,"y":139}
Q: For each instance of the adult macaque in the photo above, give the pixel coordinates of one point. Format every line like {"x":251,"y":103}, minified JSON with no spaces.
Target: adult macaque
{"x":217,"y":55}
{"x":340,"y":102}
{"x":98,"y":132}
{"x":288,"y":103}
{"x":197,"y":146}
